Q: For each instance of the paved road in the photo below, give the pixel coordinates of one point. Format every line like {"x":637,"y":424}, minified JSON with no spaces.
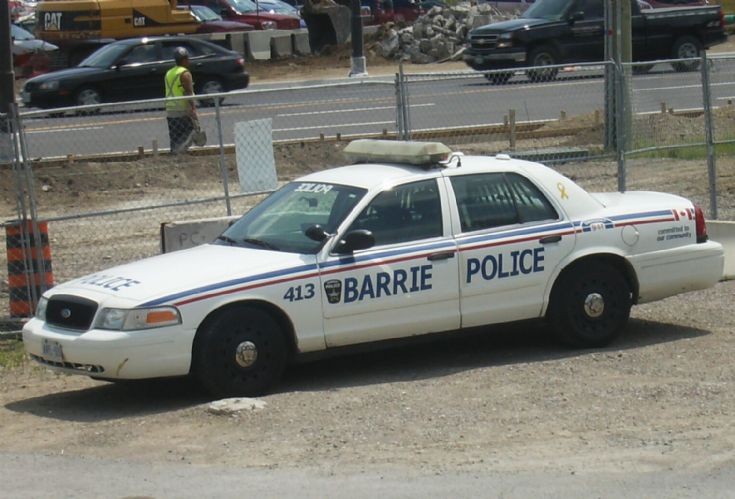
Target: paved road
{"x":368,"y":106}
{"x":36,"y":475}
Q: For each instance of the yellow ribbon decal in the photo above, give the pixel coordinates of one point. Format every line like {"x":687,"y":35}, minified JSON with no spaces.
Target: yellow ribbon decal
{"x":562,"y":191}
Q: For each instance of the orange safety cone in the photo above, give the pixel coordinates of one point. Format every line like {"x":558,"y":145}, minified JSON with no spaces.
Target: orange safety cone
{"x":20,"y":277}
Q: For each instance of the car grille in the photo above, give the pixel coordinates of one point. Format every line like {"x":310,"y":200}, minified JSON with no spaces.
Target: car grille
{"x":483,"y":41}
{"x":70,"y":312}
{"x":82,"y":368}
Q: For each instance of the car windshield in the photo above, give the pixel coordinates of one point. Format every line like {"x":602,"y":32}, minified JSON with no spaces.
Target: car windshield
{"x":280,"y":221}
{"x":243,"y":6}
{"x":278,"y":8}
{"x":106,"y":56}
{"x":552,"y":10}
{"x":203,"y":13}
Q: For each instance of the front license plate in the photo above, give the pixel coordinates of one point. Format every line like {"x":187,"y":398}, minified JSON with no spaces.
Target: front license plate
{"x":52,"y":351}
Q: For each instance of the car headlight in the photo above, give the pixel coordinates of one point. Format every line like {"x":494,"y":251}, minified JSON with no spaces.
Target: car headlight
{"x":120,"y":319}
{"x":41,"y":308}
{"x":268,"y":24}
{"x":505,"y":40}
{"x":49,"y":85}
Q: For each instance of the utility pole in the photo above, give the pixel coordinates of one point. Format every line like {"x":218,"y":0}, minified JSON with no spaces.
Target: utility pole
{"x":359,"y":66}
{"x":7,"y":82}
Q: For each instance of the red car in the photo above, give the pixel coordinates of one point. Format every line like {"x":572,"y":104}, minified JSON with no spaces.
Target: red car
{"x":248,"y":11}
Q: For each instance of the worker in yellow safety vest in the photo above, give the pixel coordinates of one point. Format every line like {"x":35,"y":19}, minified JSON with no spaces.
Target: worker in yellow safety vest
{"x":181,"y":114}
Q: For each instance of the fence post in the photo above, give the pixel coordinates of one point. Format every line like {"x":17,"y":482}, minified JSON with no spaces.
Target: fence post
{"x":402,"y":112}
{"x":709,"y":136}
{"x":222,"y":165}
{"x":620,"y":131}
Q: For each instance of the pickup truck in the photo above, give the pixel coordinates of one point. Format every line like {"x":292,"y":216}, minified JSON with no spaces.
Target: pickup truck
{"x":563,"y":31}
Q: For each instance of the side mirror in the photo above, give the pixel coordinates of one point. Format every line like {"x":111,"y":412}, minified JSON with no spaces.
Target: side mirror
{"x":356,"y":240}
{"x":316,"y":233}
{"x":576,"y":16}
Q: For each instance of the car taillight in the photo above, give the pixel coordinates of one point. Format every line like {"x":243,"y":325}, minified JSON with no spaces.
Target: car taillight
{"x":240,"y":62}
{"x":700,"y":224}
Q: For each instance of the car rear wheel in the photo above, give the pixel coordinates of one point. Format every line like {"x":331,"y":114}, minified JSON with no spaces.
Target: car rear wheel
{"x":242,"y":352}
{"x":590,"y":305}
{"x":88,"y":96}
{"x":686,"y":47}
{"x":211,"y":86}
{"x":542,"y":56}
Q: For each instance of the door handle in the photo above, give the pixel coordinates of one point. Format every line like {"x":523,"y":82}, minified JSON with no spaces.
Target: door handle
{"x":442,"y":255}
{"x":550,"y":239}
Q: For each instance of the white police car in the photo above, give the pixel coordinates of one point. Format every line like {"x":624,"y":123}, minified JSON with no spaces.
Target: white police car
{"x":411,"y":241}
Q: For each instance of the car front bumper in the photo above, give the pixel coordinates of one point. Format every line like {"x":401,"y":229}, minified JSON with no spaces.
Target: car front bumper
{"x":151,"y":353}
{"x":483,"y":59}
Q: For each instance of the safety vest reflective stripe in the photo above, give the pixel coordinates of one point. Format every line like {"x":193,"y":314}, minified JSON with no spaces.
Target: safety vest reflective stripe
{"x":174,"y":88}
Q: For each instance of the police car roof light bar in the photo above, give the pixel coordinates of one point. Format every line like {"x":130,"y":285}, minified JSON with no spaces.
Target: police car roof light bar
{"x":395,"y":151}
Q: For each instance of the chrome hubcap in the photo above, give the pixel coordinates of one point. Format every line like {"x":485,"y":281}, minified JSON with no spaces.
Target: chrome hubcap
{"x":89,"y":97}
{"x":246,"y":354}
{"x":594,"y":305}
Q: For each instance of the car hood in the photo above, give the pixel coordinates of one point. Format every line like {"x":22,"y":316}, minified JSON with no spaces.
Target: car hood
{"x":63,"y":74}
{"x":185,"y":275}
{"x":510,"y":25}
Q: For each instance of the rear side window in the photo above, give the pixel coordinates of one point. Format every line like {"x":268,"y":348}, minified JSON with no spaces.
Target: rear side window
{"x":493,"y":200}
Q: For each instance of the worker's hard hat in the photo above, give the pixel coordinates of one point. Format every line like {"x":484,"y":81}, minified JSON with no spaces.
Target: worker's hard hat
{"x":180,"y":54}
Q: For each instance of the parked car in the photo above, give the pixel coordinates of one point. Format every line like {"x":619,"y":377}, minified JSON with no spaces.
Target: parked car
{"x":411,"y":240}
{"x":250,"y":12}
{"x":211,"y":22}
{"x":281,"y":7}
{"x":134,"y":69}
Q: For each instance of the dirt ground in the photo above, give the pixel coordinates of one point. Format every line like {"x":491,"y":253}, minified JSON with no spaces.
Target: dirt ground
{"x":502,"y":399}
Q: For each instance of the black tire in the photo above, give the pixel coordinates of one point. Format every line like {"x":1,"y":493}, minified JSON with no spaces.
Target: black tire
{"x":210,"y":86}
{"x":218,"y":366}
{"x":590,"y":305}
{"x":86,"y":96}
{"x":499,"y":78}
{"x":542,"y":56}
{"x":686,"y":47}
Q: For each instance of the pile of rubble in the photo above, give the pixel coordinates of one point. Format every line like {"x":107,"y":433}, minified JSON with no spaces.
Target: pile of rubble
{"x":438,"y":35}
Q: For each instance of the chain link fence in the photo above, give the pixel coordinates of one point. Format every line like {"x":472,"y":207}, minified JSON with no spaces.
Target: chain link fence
{"x":104,"y":177}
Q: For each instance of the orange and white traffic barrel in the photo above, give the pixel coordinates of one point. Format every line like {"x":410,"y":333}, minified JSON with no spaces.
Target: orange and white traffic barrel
{"x":29,"y":265}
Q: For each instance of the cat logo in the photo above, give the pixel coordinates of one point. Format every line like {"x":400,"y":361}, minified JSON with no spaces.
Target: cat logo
{"x":52,"y":21}
{"x":333,"y":289}
{"x":139,"y":21}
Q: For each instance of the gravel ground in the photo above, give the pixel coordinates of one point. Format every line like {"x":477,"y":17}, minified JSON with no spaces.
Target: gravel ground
{"x":503,"y":399}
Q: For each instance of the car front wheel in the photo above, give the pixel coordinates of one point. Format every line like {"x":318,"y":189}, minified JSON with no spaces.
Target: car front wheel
{"x":241,"y":352}
{"x":590,"y":305}
{"x":542,"y":56}
{"x":88,"y":96}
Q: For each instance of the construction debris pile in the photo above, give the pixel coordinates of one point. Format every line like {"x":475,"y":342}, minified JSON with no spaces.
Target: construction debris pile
{"x":438,"y":35}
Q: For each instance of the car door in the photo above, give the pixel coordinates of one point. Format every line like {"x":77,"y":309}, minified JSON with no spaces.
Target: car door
{"x":511,"y":239}
{"x":404,"y":285}
{"x":587,"y":42}
{"x":138,"y":74}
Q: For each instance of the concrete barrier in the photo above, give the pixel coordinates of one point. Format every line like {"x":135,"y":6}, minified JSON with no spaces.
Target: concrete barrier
{"x":724,"y":233}
{"x":189,"y":233}
{"x":301,"y":42}
{"x":281,"y":44}
{"x":237,"y":42}
{"x":259,"y":45}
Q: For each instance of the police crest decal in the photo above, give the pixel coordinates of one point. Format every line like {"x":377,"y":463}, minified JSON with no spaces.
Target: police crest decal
{"x":333,"y":289}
